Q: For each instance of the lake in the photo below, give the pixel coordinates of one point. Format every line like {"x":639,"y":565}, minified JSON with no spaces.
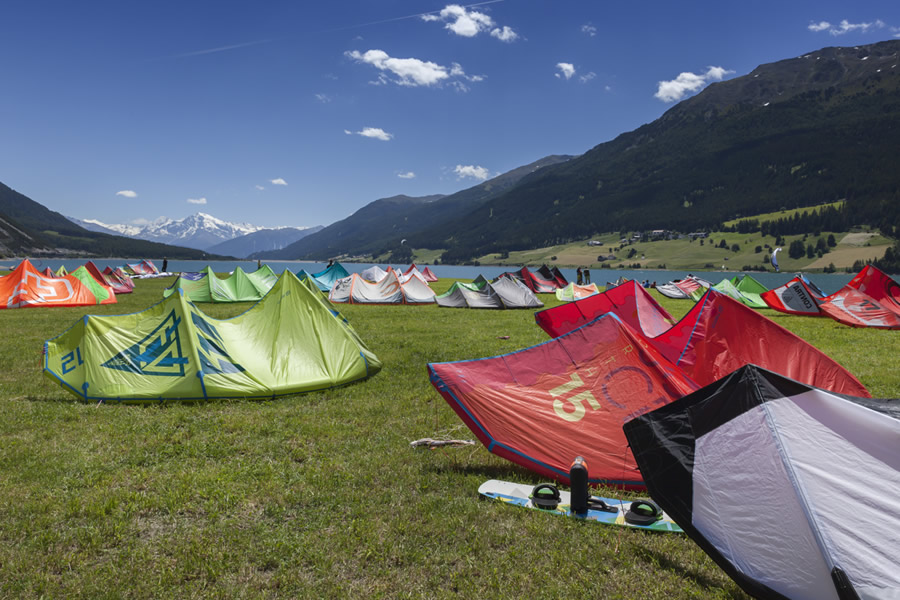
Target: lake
{"x":828,"y":282}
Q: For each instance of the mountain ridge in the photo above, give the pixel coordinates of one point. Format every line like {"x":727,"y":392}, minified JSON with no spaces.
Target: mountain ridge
{"x":793,"y":133}
{"x":383,"y":224}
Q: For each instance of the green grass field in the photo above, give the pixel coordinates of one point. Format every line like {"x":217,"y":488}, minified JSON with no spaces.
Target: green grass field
{"x":318,"y":495}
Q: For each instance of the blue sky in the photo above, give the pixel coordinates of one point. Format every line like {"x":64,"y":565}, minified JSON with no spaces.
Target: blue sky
{"x":297,"y":113}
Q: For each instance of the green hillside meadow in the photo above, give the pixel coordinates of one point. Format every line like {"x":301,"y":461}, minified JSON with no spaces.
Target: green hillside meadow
{"x":317,"y":495}
{"x":684,"y":254}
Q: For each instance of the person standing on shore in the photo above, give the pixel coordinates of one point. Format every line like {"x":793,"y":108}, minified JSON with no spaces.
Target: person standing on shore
{"x":587,"y":276}
{"x":578,"y":276}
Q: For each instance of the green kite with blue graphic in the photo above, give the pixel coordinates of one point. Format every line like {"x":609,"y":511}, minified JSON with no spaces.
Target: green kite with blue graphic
{"x":291,"y":341}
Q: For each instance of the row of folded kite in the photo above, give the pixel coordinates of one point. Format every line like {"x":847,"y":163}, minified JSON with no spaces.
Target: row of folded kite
{"x":870,"y":299}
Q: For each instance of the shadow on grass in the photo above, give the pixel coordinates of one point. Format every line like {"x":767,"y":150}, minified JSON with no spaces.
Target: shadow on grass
{"x":653,"y":557}
{"x":507,"y":472}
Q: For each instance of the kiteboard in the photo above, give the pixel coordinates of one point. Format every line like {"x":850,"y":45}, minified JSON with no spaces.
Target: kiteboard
{"x":641,"y":514}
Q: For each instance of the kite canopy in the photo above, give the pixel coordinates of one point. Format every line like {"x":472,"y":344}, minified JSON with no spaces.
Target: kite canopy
{"x":356,"y":290}
{"x":429,"y":275}
{"x":683,"y":288}
{"x":205,"y":286}
{"x":572,"y":292}
{"x":727,"y":287}
{"x":750,"y":288}
{"x":120,"y":278}
{"x":195,"y":285}
{"x":791,"y":489}
{"x":536,"y":284}
{"x":118,"y":286}
{"x":373,"y":274}
{"x":27,"y":287}
{"x":870,"y":299}
{"x":327,"y":277}
{"x":719,"y":335}
{"x":99,"y":288}
{"x":543,"y":406}
{"x":290,"y":342}
{"x":540,"y":406}
{"x":503,"y":293}
{"x":426,"y":273}
{"x":631,"y":302}
{"x":553,"y":274}
{"x":145,"y":267}
{"x":793,"y":298}
{"x":410,"y":274}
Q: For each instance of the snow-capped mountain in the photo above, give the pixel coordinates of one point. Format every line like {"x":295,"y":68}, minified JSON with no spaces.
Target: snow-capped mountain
{"x":196,"y":231}
{"x":200,"y":231}
{"x":100,"y":227}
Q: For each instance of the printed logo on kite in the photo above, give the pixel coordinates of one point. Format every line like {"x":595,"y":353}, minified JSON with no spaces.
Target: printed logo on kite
{"x":159,"y":353}
{"x":214,"y":359}
{"x":39,"y":291}
{"x":572,"y":398}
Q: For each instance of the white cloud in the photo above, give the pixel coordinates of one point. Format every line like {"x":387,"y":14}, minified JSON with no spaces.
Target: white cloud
{"x":407,"y":175}
{"x":196,"y":200}
{"x":372,"y":132}
{"x":127,"y":193}
{"x":678,"y":88}
{"x":469,"y":23}
{"x":479,"y":173}
{"x":260,"y":187}
{"x":845,"y":27}
{"x":565,"y":70}
{"x":412,"y":72}
{"x":323,"y":98}
{"x":587,"y":77}
{"x":278,"y":181}
{"x":504,"y":34}
{"x":589,"y":29}
{"x":409,"y":71}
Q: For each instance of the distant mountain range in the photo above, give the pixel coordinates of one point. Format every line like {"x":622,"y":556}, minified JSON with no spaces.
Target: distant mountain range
{"x":206,"y":232}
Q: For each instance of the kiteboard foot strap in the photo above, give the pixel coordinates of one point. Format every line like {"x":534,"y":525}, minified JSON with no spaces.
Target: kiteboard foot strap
{"x":545,"y":496}
{"x":643,"y":512}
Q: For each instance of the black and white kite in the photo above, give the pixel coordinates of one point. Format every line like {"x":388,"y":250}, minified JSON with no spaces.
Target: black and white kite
{"x":792,"y":490}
